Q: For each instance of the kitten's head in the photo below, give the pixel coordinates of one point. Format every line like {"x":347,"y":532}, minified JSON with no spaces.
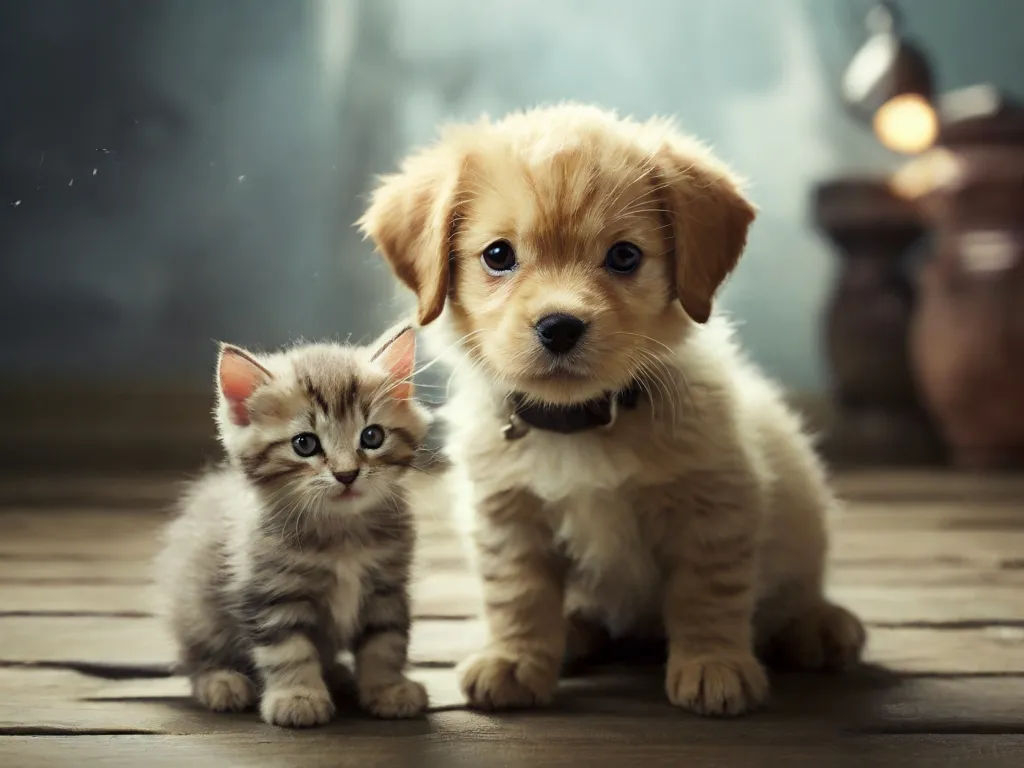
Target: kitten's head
{"x":322,"y":424}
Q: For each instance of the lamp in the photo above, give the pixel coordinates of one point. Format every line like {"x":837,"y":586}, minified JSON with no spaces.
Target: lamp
{"x":888,"y":83}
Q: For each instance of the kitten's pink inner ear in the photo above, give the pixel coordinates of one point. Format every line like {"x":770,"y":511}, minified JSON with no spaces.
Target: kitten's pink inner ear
{"x":399,"y":359}
{"x":239,"y":378}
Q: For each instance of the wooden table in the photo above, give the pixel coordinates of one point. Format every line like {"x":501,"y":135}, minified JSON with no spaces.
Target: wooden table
{"x":934,"y":563}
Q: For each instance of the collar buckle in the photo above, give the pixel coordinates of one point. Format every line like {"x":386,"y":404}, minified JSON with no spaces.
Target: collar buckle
{"x":515,"y":428}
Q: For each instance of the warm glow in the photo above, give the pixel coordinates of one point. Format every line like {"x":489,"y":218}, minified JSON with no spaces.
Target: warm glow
{"x":935,"y":169}
{"x":907,"y":123}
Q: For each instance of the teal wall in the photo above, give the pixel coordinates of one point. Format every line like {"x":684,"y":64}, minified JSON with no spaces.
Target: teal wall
{"x":231,"y":218}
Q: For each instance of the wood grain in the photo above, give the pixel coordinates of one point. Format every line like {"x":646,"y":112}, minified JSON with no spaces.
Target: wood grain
{"x":337,"y":747}
{"x":438,"y":595}
{"x":143,"y":641}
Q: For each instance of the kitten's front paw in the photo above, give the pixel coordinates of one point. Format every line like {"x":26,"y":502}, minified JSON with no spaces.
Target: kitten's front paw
{"x":497,"y":679}
{"x":405,"y":698}
{"x":716,"y":684}
{"x":827,"y":637}
{"x":297,"y":707}
{"x":224,"y":690}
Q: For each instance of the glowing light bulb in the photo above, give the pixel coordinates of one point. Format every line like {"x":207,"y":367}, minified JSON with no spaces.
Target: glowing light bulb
{"x":907,"y":123}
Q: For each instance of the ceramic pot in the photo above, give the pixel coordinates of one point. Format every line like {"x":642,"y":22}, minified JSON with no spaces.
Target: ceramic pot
{"x":878,"y":416}
{"x":967,"y":334}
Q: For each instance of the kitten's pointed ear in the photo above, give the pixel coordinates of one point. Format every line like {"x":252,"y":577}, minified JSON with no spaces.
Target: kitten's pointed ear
{"x":239,"y":375}
{"x":395,"y":351}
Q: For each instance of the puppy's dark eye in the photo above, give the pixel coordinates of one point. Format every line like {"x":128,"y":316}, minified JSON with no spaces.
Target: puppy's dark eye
{"x":372,"y":437}
{"x":307,"y":444}
{"x":499,"y":257}
{"x":622,"y":258}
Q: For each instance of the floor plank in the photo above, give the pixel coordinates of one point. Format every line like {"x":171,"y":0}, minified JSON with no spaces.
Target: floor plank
{"x":911,"y":603}
{"x":872,"y":701}
{"x":453,"y":595}
{"x":935,"y":565}
{"x":435,"y":595}
{"x":888,"y":485}
{"x":57,"y":569}
{"x":58,"y":700}
{"x":144,"y":642}
{"x":926,"y":548}
{"x":988,"y":650}
{"x":933,"y":593}
{"x":548,"y":747}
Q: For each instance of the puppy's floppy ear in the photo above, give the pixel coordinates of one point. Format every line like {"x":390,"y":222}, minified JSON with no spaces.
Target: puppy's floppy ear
{"x":411,"y":221}
{"x":710,"y":219}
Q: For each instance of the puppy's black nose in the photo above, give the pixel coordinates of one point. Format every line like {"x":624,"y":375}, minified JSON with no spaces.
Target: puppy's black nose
{"x":347,"y":477}
{"x":559,"y":332}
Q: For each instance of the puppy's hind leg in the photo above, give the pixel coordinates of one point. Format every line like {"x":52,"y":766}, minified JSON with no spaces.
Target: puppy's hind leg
{"x":585,"y":641}
{"x":803,"y":630}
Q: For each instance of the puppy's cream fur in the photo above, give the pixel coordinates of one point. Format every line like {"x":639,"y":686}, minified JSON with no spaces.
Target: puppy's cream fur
{"x":701,"y":513}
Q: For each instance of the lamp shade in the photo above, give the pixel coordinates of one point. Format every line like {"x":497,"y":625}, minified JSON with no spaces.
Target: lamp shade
{"x":889,"y":84}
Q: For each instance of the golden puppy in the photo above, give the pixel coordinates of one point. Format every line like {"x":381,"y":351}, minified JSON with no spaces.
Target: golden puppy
{"x":621,"y":467}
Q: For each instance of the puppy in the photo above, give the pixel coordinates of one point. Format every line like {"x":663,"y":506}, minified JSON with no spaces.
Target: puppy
{"x":621,"y":467}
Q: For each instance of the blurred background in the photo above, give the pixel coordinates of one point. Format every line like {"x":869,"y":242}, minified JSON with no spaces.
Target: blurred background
{"x":178,"y":171}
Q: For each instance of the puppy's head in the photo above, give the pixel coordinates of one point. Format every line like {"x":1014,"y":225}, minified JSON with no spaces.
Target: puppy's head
{"x":570,"y":248}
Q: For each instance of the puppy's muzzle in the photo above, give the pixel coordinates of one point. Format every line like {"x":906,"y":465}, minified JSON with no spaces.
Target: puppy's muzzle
{"x":560,"y":332}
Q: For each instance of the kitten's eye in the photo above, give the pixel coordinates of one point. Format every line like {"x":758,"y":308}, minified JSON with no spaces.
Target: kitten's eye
{"x":305,"y":445}
{"x":372,"y":437}
{"x":499,"y":258}
{"x":623,"y":258}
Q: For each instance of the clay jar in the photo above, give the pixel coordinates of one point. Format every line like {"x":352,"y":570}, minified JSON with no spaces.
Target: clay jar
{"x":967,"y":333}
{"x":878,"y":417}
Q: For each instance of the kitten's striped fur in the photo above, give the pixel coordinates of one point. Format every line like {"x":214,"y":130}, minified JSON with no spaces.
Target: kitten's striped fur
{"x":268,"y":575}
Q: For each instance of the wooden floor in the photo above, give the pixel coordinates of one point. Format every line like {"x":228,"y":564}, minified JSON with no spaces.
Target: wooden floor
{"x":934,"y":563}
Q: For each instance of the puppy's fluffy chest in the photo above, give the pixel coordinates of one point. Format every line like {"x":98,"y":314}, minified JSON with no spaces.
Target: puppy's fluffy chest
{"x":603,"y":520}
{"x":609,"y":497}
{"x":610,"y":544}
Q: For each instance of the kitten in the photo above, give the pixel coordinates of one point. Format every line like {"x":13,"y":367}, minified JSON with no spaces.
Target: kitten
{"x":299,"y":547}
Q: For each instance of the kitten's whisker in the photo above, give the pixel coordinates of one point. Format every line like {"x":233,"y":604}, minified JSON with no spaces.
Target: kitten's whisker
{"x":455,"y":344}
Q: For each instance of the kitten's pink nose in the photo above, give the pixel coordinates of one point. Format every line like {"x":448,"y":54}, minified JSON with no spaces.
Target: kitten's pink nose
{"x":347,"y":477}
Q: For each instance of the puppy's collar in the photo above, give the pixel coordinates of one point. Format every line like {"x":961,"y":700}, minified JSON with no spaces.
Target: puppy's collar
{"x":568,"y":419}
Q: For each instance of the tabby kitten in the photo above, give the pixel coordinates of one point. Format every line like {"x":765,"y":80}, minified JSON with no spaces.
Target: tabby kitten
{"x":299,"y":547}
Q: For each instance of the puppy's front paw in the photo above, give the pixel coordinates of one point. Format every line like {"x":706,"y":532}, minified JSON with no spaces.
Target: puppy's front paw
{"x":498,"y":679}
{"x":297,"y":707}
{"x":224,"y":690}
{"x":716,"y":684}
{"x":826,"y":637}
{"x":405,"y":698}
